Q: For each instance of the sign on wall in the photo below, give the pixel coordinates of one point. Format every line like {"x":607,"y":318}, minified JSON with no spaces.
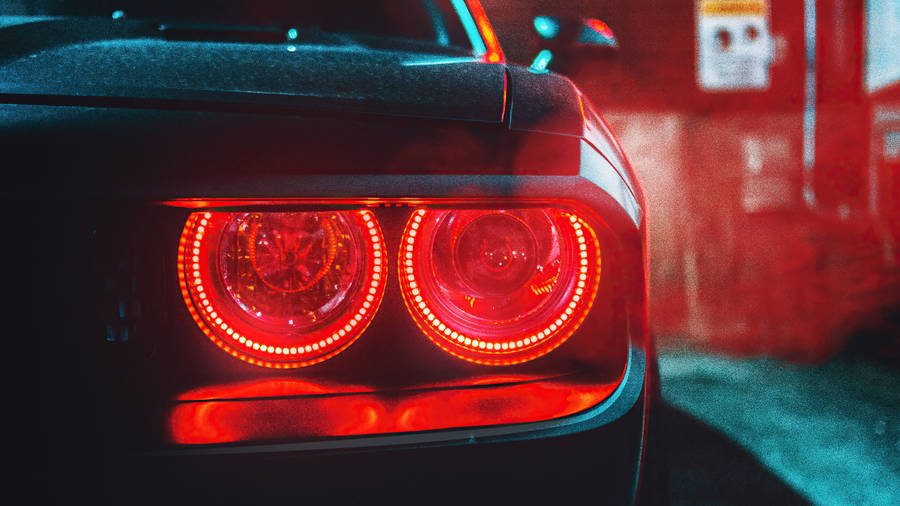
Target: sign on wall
{"x":734,"y":45}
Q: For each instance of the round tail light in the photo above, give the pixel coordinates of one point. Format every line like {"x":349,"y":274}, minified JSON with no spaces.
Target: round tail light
{"x":498,"y":286}
{"x":282,"y":289}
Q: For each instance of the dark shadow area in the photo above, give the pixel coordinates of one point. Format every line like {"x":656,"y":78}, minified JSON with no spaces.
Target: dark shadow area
{"x":705,"y":467}
{"x":878,"y":341}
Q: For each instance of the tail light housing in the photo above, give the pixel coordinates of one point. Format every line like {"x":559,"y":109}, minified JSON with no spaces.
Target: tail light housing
{"x":282,"y":289}
{"x":395,"y":316}
{"x":498,"y":286}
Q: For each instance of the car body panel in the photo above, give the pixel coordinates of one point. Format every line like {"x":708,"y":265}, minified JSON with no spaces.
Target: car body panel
{"x":343,"y":78}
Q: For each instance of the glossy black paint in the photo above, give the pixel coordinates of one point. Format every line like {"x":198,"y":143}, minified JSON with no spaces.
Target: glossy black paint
{"x":309,"y":77}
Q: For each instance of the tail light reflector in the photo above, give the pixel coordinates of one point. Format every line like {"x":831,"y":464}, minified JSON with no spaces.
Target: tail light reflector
{"x":498,"y":286}
{"x":282,"y":289}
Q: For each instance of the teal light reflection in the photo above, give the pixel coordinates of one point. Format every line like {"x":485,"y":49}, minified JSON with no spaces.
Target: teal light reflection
{"x":541,"y":61}
{"x":546,"y":26}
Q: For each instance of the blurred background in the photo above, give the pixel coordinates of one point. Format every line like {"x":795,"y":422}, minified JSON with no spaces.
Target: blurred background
{"x":774,"y":198}
{"x":767,"y":137}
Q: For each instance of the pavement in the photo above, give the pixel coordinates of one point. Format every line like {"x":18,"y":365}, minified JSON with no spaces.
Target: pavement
{"x":761,"y":431}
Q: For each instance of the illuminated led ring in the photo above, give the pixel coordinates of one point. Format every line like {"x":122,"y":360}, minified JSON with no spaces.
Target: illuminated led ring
{"x":212,"y":324}
{"x":564,"y":324}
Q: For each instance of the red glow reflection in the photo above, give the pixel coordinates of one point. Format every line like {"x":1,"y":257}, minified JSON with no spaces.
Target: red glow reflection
{"x":494,"y":52}
{"x":268,"y":388}
{"x":601,"y":28}
{"x":282,"y":409}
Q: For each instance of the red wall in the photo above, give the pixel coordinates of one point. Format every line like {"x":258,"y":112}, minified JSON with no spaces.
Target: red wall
{"x":742,"y":260}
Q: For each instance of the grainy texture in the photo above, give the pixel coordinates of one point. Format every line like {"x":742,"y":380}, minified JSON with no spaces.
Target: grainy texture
{"x":831,"y":432}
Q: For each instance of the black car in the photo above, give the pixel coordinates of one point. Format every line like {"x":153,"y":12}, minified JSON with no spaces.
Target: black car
{"x":284,"y":250}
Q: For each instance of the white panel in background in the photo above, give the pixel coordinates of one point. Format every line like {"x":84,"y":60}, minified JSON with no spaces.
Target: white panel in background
{"x":734,"y":45}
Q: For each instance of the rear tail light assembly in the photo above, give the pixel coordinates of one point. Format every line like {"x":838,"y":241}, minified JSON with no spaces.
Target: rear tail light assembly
{"x":498,"y":286}
{"x":292,"y":289}
{"x":282,"y":289}
{"x":394,"y":316}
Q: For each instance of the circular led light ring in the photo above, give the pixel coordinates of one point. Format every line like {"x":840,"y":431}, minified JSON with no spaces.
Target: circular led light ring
{"x":583,"y":294}
{"x":210,"y":322}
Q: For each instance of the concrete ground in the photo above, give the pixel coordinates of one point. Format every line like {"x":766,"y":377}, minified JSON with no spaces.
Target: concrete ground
{"x":765,"y":432}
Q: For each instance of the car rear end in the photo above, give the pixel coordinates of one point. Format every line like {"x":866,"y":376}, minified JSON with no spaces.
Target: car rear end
{"x":149,"y":392}
{"x":428,"y":291}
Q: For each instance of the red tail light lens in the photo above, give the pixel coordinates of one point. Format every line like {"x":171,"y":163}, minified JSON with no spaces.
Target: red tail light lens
{"x":498,"y":286}
{"x":282,"y":289}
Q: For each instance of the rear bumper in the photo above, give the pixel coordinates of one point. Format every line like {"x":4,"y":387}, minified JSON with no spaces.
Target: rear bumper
{"x":594,"y":454}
